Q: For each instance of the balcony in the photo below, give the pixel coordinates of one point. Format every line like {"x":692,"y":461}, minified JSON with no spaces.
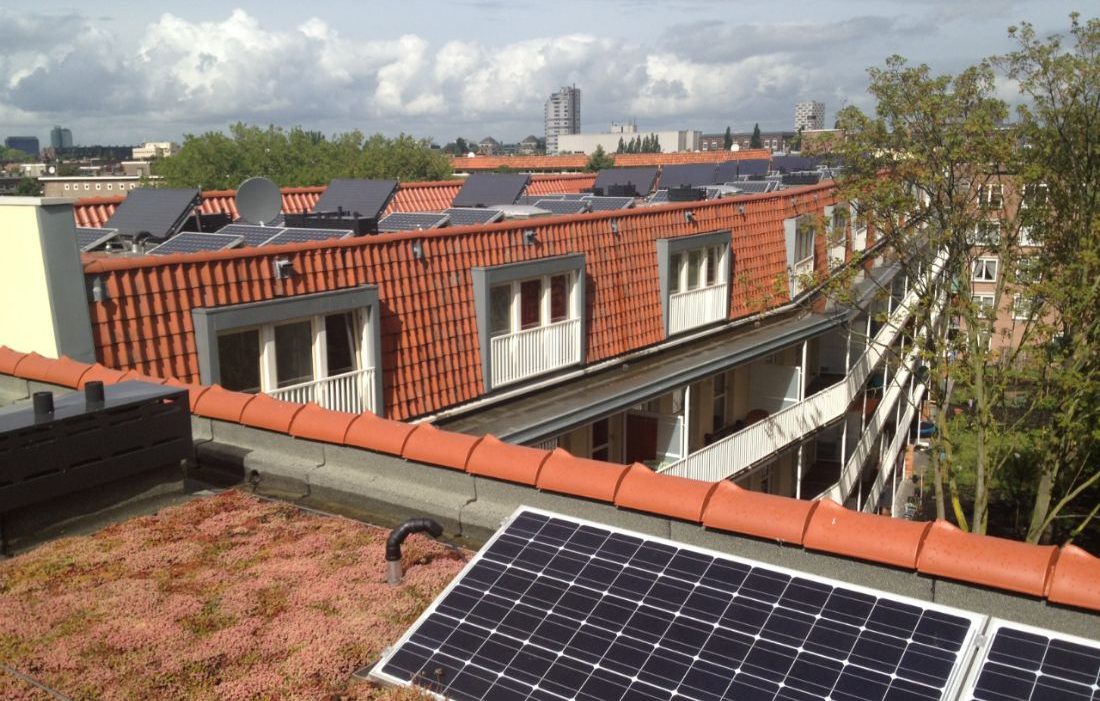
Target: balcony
{"x":351,"y":392}
{"x":693,"y":308}
{"x":517,"y":356}
{"x":799,"y":273}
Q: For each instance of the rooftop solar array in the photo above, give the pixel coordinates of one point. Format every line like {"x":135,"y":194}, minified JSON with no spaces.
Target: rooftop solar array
{"x":753,"y":166}
{"x":466,"y":216}
{"x":688,"y":175}
{"x":411,"y":221}
{"x":253,"y":234}
{"x":756,"y":186}
{"x":89,"y":239}
{"x":366,"y":198}
{"x":802,"y":178}
{"x":1022,"y":663}
{"x":659,"y":197}
{"x":557,"y":608}
{"x":792,"y":164}
{"x":159,"y":211}
{"x":564,"y":206}
{"x":194,"y":242}
{"x":605,"y":204}
{"x":641,"y":179}
{"x":726,"y":171}
{"x":298,"y":235}
{"x":488,"y":189}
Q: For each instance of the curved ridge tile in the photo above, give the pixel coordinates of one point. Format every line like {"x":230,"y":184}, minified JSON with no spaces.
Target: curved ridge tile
{"x":102,"y":373}
{"x":9,"y":358}
{"x":891,"y":541}
{"x":505,"y":461}
{"x":34,"y":367}
{"x":220,"y":403}
{"x":193,"y":391}
{"x":316,"y":423}
{"x":985,"y":560}
{"x":1076,"y":579}
{"x":681,"y":498}
{"x":67,"y":372}
{"x":140,"y":377}
{"x":429,"y":444}
{"x":270,"y":413}
{"x":580,"y":477}
{"x":738,"y":510}
{"x":375,"y":433}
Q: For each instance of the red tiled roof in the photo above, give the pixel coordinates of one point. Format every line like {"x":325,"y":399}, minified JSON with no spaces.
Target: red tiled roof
{"x":577,"y":161}
{"x":1066,"y":575}
{"x":410,"y":197}
{"x":429,"y":354}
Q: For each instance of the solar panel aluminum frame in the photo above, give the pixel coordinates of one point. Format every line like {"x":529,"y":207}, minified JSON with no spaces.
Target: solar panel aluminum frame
{"x":966,"y":655}
{"x":108,"y":234}
{"x":232,"y":241}
{"x":985,"y":646}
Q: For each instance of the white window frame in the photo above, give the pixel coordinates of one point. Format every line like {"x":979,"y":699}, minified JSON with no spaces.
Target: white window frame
{"x":990,"y":239}
{"x":986,"y":310}
{"x":673,"y":263}
{"x":992,"y":195}
{"x":515,"y":306}
{"x":985,"y":270}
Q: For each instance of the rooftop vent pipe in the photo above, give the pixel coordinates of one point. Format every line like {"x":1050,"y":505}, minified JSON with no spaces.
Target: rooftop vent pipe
{"x":398,"y":536}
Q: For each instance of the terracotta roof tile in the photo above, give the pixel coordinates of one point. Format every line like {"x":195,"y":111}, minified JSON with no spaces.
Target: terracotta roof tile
{"x":738,"y":510}
{"x":194,"y":392}
{"x":220,"y":403}
{"x":430,"y":445}
{"x":986,"y":560}
{"x":270,"y":413}
{"x":1076,"y":579}
{"x":141,"y":377}
{"x":592,"y":479}
{"x":67,"y":372}
{"x":9,"y":358}
{"x":642,"y":489}
{"x":36,"y":367}
{"x":834,"y":529}
{"x":102,"y":373}
{"x":319,"y":424}
{"x":378,"y":434}
{"x":505,"y":461}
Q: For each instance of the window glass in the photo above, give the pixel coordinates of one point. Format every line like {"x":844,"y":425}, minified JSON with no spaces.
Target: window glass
{"x":530,"y":298}
{"x":293,"y":353}
{"x":674,"y":272}
{"x":239,"y":360}
{"x":500,"y":308}
{"x":340,"y":343}
{"x":712,"y":265}
{"x":559,"y":298}
{"x":695,"y":261}
{"x":600,"y":435}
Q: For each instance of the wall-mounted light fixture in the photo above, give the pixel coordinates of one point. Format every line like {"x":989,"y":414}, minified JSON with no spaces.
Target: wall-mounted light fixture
{"x":689,"y":216}
{"x":741,"y":209}
{"x":284,"y":269}
{"x":418,"y":249}
{"x":615,"y":226}
{"x":99,"y":289}
{"x":530,"y":238}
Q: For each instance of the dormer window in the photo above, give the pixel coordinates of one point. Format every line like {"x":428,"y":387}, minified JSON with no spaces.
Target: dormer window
{"x":695,"y":275}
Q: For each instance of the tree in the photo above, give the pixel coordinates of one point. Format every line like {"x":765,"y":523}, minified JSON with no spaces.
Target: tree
{"x":13,"y":155}
{"x":599,"y":160}
{"x":727,"y":140}
{"x":28,"y":187}
{"x":796,"y":142}
{"x":755,"y":141}
{"x":622,"y":146}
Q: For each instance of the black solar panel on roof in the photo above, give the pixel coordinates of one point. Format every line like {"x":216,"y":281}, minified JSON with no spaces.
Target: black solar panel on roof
{"x":641,"y":179}
{"x":753,"y":166}
{"x":563,"y":206}
{"x":726,"y":172}
{"x":488,"y":189}
{"x":802,"y":178}
{"x":159,"y":211}
{"x":532,"y":199}
{"x":412,"y":221}
{"x":366,"y":198}
{"x":793,"y":164}
{"x":659,"y":197}
{"x":89,"y":238}
{"x":557,"y":608}
{"x":1023,"y":663}
{"x":296,"y":235}
{"x":195,"y":241}
{"x":466,"y":216}
{"x":253,"y":234}
{"x":688,"y":175}
{"x":604,"y":204}
{"x":755,"y":186}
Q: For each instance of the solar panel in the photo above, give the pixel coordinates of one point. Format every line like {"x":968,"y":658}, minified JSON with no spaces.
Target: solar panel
{"x":195,"y":241}
{"x":659,"y":197}
{"x":412,"y":221}
{"x":161,"y":212}
{"x":755,"y":186}
{"x":557,"y":608}
{"x":488,"y":189}
{"x":466,"y":216}
{"x":563,"y":206}
{"x":1025,"y":663}
{"x":89,"y":238}
{"x":641,"y":179}
{"x":296,"y":235}
{"x":726,"y":172}
{"x":688,"y":175}
{"x":604,"y":204}
{"x":792,"y":164}
{"x":253,"y":234}
{"x":753,"y":166}
{"x":367,"y":198}
{"x":532,"y":199}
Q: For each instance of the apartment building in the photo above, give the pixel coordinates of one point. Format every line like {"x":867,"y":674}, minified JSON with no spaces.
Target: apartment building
{"x":561,"y":115}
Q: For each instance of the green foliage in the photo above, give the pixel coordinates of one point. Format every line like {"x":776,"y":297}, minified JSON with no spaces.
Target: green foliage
{"x":755,"y":141}
{"x":297,"y":157}
{"x":28,"y":187}
{"x":622,"y":146}
{"x":13,"y":155}
{"x":727,"y":140}
{"x":599,"y":160}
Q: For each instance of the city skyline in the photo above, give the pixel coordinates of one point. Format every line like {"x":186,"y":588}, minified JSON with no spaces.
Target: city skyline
{"x":127,"y":75}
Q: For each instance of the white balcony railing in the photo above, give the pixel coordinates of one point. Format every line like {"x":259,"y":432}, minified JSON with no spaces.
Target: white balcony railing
{"x":889,"y":461}
{"x":799,"y":272}
{"x":531,"y":352}
{"x":692,"y":308}
{"x":352,"y":392}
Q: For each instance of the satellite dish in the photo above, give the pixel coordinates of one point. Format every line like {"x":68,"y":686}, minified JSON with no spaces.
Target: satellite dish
{"x":259,"y":200}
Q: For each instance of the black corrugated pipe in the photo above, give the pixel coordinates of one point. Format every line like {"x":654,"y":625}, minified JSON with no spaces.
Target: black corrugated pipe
{"x":398,"y":536}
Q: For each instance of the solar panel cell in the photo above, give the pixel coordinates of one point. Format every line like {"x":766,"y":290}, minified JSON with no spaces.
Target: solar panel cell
{"x":252,"y":234}
{"x":411,"y":221}
{"x":90,"y":238}
{"x":297,"y":235}
{"x":688,"y":175}
{"x":641,"y":179}
{"x":604,"y":204}
{"x":563,"y":206}
{"x":1024,"y":663}
{"x":159,"y":211}
{"x":466,"y":216}
{"x":555,"y":606}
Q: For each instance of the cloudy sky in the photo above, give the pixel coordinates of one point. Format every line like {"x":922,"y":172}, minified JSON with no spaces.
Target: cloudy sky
{"x":125,"y":71}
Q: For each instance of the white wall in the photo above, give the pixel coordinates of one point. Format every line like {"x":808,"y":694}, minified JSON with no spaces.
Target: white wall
{"x":671,"y":141}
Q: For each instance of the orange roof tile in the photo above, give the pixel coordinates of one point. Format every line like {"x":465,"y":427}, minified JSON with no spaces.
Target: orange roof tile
{"x":319,"y":424}
{"x":642,"y":489}
{"x":1076,"y":578}
{"x":505,"y":461}
{"x":986,"y":560}
{"x":430,"y":445}
{"x":102,"y":373}
{"x":220,"y":403}
{"x":732,"y":508}
{"x":33,"y":366}
{"x":66,"y":371}
{"x":194,"y":392}
{"x":9,"y":358}
{"x":270,"y":413}
{"x":834,"y":529}
{"x":591,"y":479}
{"x":378,"y":434}
{"x":577,"y":161}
